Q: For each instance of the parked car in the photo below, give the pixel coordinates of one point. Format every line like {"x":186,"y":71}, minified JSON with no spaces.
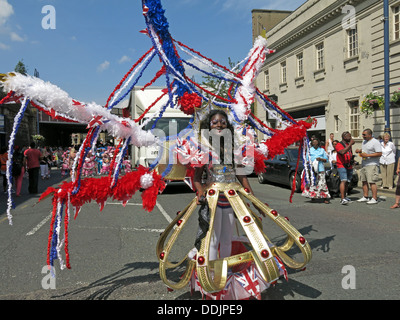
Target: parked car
{"x":282,"y":169}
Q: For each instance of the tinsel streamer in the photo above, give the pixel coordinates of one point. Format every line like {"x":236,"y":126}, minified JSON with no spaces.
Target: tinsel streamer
{"x":258,"y":127}
{"x":208,"y":59}
{"x":126,"y":75}
{"x":293,"y":186}
{"x":158,"y":75}
{"x":143,"y":66}
{"x":53,"y":114}
{"x":156,"y":19}
{"x":51,"y":95}
{"x":150,"y":107}
{"x":119,"y":161}
{"x":80,"y":158}
{"x":59,"y":243}
{"x":210,"y":74}
{"x":54,"y":233}
{"x":52,"y":223}
{"x":8,"y":96}
{"x":229,"y":74}
{"x":66,"y":224}
{"x":113,"y":160}
{"x":262,"y":123}
{"x":273,"y":105}
{"x":207,"y":91}
{"x":16,"y":124}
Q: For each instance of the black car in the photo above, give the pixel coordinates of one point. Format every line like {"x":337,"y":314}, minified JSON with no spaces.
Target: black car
{"x":282,"y":169}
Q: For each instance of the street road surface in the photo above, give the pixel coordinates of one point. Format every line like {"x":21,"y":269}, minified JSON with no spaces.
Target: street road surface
{"x":355,"y":248}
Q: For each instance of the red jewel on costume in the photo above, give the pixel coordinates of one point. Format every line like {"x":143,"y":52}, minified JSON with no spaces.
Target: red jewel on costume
{"x":246,"y":219}
{"x":201,"y":260}
{"x":274,"y":212}
{"x":162,"y":255}
{"x":179,"y":223}
{"x":247,"y":190}
{"x":265,"y":253}
{"x":231,"y":192}
{"x":302,"y":240}
{"x":211,"y":192}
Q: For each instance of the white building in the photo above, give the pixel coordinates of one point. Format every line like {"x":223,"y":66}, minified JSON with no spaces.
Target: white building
{"x":329,"y":56}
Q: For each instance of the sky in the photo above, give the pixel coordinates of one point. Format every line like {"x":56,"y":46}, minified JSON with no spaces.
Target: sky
{"x":89,"y":45}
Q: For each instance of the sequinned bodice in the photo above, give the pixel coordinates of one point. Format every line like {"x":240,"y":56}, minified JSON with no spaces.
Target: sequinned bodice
{"x":220,"y":173}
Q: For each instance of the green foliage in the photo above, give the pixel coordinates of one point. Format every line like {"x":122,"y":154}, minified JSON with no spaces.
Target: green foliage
{"x":371,"y":100}
{"x":21,"y":68}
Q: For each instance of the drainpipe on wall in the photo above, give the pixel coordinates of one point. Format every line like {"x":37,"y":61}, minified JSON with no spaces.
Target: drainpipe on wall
{"x":386,"y":64}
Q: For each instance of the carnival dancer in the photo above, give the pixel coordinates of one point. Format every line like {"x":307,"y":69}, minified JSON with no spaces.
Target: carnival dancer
{"x":127,"y":164}
{"x":65,"y":164}
{"x":89,"y":166}
{"x":215,"y":243}
{"x":233,"y":272}
{"x":106,"y":162}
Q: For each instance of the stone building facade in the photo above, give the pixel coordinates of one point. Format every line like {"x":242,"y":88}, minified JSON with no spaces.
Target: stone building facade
{"x":329,"y":56}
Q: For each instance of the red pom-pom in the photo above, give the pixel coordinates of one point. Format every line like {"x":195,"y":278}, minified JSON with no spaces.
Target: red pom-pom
{"x":188,"y":102}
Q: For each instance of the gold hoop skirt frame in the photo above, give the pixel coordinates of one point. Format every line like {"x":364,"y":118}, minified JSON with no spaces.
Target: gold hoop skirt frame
{"x":212,"y":275}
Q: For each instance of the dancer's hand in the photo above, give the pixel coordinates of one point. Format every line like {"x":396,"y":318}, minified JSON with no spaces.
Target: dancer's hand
{"x":200,"y":199}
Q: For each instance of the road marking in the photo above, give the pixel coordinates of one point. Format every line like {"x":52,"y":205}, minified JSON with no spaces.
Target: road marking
{"x":35,"y":229}
{"x":147,"y":230}
{"x":164,"y":213}
{"x":4,"y":219}
{"x":127,"y":204}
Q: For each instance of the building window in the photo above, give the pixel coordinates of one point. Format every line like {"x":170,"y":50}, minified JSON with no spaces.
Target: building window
{"x":336,"y":117}
{"x":396,"y":22}
{"x":352,"y":42}
{"x":283,"y":72}
{"x":300,"y":70}
{"x":354,"y":118}
{"x":266,"y":78}
{"x":320,"y":56}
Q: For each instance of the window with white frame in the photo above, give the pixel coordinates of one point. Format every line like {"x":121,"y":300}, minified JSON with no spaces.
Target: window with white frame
{"x":283,"y":72}
{"x":320,"y":56}
{"x":266,"y":79}
{"x":300,"y":70}
{"x":396,"y":22}
{"x":354,"y":112}
{"x":352,"y":42}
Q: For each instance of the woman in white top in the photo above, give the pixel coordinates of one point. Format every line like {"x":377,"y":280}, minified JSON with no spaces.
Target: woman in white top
{"x":387,"y":161}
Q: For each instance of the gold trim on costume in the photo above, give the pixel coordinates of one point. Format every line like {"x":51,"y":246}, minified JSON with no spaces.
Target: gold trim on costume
{"x":212,"y":275}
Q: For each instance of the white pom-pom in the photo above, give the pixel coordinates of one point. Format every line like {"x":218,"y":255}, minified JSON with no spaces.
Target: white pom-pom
{"x":146,"y":180}
{"x":264,"y":149}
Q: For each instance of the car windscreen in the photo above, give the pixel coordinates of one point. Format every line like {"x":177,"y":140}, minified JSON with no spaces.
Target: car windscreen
{"x":293,"y":154}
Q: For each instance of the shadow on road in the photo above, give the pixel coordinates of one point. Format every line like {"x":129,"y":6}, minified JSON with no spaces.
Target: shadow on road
{"x":103,"y":288}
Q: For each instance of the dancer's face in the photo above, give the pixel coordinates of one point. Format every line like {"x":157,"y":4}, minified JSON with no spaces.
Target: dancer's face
{"x":218,"y":122}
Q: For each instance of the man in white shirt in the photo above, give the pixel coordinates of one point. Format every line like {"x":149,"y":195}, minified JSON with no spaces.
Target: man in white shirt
{"x":369,"y":174}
